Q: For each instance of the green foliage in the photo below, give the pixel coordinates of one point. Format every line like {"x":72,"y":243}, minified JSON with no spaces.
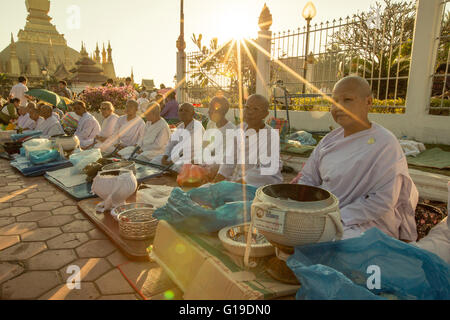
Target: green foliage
{"x":215,"y":62}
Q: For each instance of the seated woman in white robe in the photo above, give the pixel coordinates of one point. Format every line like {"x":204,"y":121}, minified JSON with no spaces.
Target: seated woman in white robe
{"x":24,"y":121}
{"x":156,"y":135}
{"x":253,"y":171}
{"x":50,"y":126}
{"x":218,"y":109}
{"x":128,"y":131}
{"x":35,"y":116}
{"x":88,"y":127}
{"x":363,"y":164}
{"x":108,"y":125}
{"x":189,"y":127}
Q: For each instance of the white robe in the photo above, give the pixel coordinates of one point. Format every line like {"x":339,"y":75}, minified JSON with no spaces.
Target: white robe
{"x":25,"y":122}
{"x":176,"y":141}
{"x":88,"y":128}
{"x":107,"y":131}
{"x":128,"y":133}
{"x":155,"y":139}
{"x":50,"y":127}
{"x":368,"y":173}
{"x":254,"y":174}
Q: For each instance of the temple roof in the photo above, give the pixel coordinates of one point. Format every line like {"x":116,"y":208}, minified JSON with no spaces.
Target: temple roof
{"x":87,"y":70}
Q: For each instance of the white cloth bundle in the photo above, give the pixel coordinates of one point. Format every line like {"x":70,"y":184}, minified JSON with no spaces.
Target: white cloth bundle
{"x":412,"y":148}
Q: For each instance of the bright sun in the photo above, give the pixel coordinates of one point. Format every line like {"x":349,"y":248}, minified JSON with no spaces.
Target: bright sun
{"x":237,"y":28}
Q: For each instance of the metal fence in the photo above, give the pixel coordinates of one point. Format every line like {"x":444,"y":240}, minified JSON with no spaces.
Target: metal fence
{"x":440,"y":91}
{"x":376,"y":47}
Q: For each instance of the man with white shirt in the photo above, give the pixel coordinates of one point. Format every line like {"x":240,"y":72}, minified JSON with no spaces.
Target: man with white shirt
{"x":50,"y":126}
{"x":253,"y":144}
{"x":18,"y":91}
{"x":129,"y":129}
{"x":108,"y":125}
{"x":88,"y":127}
{"x":189,"y":127}
{"x":363,"y":164}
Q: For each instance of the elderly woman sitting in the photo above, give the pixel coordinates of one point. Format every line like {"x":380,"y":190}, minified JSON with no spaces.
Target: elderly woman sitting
{"x":155,"y":138}
{"x":108,"y":125}
{"x":88,"y":127}
{"x":49,"y":125}
{"x":128,"y":131}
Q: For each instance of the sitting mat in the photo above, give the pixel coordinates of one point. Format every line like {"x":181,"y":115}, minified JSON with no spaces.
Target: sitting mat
{"x":432,"y":158}
{"x":30,"y":170}
{"x":83,"y":191}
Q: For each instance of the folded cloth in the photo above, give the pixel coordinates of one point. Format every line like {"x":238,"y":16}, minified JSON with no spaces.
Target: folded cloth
{"x":412,"y":148}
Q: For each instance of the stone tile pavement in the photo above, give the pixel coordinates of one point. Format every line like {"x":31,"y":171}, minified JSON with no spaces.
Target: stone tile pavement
{"x":42,"y":233}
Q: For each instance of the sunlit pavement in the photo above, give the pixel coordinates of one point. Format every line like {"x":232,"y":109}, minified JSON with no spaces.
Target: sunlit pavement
{"x":42,"y":233}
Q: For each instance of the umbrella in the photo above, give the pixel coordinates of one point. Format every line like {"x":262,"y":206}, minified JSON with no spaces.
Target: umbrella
{"x":49,"y":97}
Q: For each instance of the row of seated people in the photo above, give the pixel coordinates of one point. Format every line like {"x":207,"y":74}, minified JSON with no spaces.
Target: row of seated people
{"x":361,"y":162}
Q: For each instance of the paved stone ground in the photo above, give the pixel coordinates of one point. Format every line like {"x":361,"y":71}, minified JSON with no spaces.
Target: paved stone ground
{"x":42,"y":233}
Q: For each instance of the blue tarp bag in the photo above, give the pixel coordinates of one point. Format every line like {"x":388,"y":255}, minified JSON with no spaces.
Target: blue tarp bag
{"x":344,"y":270}
{"x":305,"y":138}
{"x":209,"y":208}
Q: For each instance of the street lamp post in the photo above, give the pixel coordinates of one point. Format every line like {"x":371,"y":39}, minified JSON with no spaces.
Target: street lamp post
{"x":44,"y":72}
{"x":309,"y":12}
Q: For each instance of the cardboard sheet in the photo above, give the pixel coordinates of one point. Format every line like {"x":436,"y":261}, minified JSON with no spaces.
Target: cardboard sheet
{"x":202,"y":268}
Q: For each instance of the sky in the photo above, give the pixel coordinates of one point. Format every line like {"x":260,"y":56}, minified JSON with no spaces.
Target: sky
{"x":143,"y":33}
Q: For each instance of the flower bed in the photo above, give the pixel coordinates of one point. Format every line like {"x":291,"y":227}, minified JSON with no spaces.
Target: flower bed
{"x":118,"y":96}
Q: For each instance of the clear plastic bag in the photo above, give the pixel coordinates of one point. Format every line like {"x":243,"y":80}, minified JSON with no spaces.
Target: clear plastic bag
{"x":83,"y":158}
{"x":37,"y":145}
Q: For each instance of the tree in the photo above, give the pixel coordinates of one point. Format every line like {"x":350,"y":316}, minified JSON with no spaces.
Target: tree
{"x":220,"y":70}
{"x":377,"y":45}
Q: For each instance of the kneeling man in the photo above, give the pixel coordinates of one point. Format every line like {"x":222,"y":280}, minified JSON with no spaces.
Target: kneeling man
{"x":363,"y":164}
{"x":50,"y":126}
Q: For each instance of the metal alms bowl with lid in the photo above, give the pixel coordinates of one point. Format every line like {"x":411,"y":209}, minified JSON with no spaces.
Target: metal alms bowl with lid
{"x":304,"y":214}
{"x":291,"y":215}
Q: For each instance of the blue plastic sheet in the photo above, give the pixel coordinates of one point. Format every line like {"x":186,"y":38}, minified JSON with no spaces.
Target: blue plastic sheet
{"x":345,"y":270}
{"x":29,"y":133}
{"x":208,"y":209}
